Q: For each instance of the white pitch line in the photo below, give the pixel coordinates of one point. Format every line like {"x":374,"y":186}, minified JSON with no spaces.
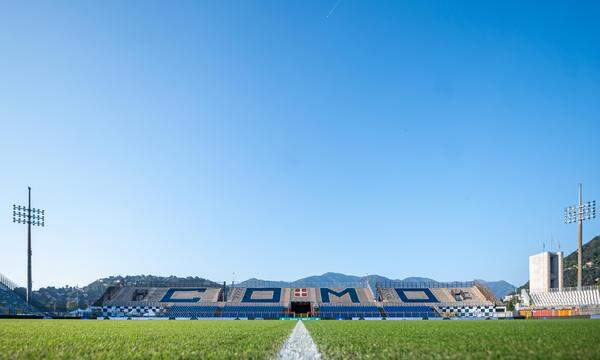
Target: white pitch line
{"x":299,"y":346}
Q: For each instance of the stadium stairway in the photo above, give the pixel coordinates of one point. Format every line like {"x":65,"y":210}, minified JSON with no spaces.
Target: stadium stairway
{"x":108,"y":294}
{"x":155,"y":294}
{"x":235,"y":295}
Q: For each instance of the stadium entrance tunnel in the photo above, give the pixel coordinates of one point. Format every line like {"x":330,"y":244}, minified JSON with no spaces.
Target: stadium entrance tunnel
{"x":300,"y":307}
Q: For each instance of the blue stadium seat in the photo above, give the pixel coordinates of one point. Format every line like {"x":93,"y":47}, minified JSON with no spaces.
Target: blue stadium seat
{"x":348,"y":312}
{"x":264,"y":312}
{"x":207,"y":311}
{"x":410,"y":311}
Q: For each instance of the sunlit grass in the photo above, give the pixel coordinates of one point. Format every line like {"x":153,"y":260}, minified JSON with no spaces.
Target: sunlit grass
{"x":141,"y":339}
{"x":539,"y":339}
{"x":221,"y":339}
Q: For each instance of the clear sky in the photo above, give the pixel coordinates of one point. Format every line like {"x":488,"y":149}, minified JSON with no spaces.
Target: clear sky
{"x":270,"y":139}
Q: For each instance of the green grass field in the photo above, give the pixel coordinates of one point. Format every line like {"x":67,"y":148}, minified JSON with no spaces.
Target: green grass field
{"x":540,"y":339}
{"x":141,"y":339}
{"x":568,"y":339}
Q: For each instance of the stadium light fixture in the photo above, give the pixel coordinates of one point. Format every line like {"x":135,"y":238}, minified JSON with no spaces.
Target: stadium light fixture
{"x":30,"y":216}
{"x":577,"y":214}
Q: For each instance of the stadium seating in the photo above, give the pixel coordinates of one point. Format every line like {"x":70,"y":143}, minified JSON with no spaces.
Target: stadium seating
{"x":142,"y":310}
{"x":235,"y":295}
{"x":258,"y":295}
{"x":346,"y":303}
{"x":274,"y":303}
{"x":349,"y":295}
{"x":190,"y":295}
{"x":253,"y":311}
{"x":468,"y":311}
{"x":10,"y":302}
{"x":206,"y":311}
{"x":121,"y":297}
{"x":262,"y":295}
{"x":589,"y":296}
{"x":418,"y":311}
{"x":435,"y":297}
{"x":153,"y":296}
{"x":335,"y":311}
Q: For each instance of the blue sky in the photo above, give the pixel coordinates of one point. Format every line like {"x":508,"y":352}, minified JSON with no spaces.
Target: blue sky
{"x":270,"y":140}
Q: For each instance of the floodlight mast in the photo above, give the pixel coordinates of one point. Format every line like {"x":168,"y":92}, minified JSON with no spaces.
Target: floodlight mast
{"x":578,"y":213}
{"x":580,"y":240}
{"x":29,"y":252}
{"x":23,"y":215}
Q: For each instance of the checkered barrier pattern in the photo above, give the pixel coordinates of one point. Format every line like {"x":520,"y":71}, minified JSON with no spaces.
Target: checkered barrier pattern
{"x":475,"y":311}
{"x":132,"y":310}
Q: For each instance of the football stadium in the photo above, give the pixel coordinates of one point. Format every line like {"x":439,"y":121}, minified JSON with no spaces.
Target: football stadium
{"x":299,"y":180}
{"x":404,"y":301}
{"x":307,"y":321}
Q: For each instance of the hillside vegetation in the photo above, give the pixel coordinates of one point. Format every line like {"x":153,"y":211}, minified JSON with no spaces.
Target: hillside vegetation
{"x":70,"y":298}
{"x":591,"y":265}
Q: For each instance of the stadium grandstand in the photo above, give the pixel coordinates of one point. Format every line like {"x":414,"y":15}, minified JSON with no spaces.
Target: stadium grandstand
{"x":468,"y":300}
{"x":547,"y":297}
{"x":10,"y":302}
{"x":331,"y":301}
{"x":560,"y":302}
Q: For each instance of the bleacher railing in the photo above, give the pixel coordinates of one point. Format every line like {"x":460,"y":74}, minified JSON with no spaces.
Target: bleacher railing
{"x":458,"y":304}
{"x":566,"y":289}
{"x":171,"y":283}
{"x":355,"y":284}
{"x":299,"y":284}
{"x":7,"y":282}
{"x":426,"y":284}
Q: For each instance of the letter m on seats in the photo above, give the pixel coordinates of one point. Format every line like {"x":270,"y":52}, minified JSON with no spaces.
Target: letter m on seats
{"x":325,"y":292}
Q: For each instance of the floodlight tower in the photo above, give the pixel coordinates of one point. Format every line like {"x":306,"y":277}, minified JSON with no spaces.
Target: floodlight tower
{"x":30,"y":216}
{"x":579,"y":213}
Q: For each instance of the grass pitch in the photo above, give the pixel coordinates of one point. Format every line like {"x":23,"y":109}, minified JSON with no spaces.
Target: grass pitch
{"x":112,"y":339}
{"x":217,"y":339}
{"x":538,"y":339}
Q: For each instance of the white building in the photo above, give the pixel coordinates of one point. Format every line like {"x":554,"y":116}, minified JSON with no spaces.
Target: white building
{"x":545,"y":271}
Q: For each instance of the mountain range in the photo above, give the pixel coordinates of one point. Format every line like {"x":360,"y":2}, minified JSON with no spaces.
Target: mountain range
{"x":68,"y":298}
{"x":499,"y":288}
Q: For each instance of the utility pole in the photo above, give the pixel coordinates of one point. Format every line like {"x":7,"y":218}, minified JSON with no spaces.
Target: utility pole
{"x":578,"y":213}
{"x":30,"y":216}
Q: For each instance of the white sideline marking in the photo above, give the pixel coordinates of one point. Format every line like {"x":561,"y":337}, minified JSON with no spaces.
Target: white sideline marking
{"x":299,"y":346}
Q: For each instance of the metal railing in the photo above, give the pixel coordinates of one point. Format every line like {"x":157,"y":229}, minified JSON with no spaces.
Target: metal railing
{"x":565,"y":289}
{"x":170,"y":283}
{"x":426,"y":284}
{"x":299,"y":284}
{"x":354,"y":284}
{"x":457,"y":304}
